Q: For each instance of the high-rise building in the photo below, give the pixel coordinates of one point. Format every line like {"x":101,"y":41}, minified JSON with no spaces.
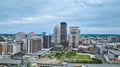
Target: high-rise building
{"x":63,"y":34}
{"x":31,"y":35}
{"x":56,"y":35}
{"x":74,"y":36}
{"x":46,"y":41}
{"x":19,"y":36}
{"x":33,"y":45}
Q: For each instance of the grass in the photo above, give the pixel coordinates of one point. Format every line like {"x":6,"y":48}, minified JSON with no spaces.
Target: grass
{"x":82,"y":57}
{"x":73,"y":57}
{"x":70,"y":56}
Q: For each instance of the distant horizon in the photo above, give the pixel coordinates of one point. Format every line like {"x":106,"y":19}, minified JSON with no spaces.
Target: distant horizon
{"x":68,"y":33}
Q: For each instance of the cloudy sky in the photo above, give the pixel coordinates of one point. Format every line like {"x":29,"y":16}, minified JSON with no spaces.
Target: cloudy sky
{"x":92,"y":16}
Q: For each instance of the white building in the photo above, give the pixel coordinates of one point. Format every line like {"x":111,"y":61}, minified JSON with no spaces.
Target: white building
{"x":31,"y":35}
{"x":19,"y":36}
{"x":24,"y":46}
{"x":114,"y":55}
{"x":56,"y":34}
{"x":74,"y":36}
{"x":99,"y":49}
{"x":14,"y":48}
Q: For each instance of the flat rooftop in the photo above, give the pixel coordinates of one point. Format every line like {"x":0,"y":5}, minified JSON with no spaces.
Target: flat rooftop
{"x":44,"y":61}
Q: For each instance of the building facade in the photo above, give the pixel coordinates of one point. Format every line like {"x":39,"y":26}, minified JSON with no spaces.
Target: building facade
{"x":31,"y":35}
{"x":19,"y":36}
{"x":3,"y":48}
{"x":33,"y":45}
{"x":1,"y":38}
{"x":74,"y":36}
{"x":63,"y":34}
{"x":56,"y":34}
{"x":46,"y":41}
{"x":9,"y":48}
{"x":114,"y":55}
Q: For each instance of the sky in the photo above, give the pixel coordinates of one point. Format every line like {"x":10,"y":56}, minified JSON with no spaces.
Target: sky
{"x":92,"y":16}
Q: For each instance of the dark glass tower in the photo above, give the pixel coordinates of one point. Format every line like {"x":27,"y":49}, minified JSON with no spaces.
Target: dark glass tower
{"x":63,"y":34}
{"x":46,"y":41}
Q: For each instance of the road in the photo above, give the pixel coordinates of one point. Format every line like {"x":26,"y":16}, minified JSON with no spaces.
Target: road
{"x":94,"y":65}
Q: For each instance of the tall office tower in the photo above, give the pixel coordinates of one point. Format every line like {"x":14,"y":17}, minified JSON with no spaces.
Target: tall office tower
{"x":31,"y":35}
{"x":56,"y":35}
{"x":46,"y":41}
{"x":74,"y":36}
{"x":33,"y":45}
{"x":63,"y":34}
{"x":19,"y":36}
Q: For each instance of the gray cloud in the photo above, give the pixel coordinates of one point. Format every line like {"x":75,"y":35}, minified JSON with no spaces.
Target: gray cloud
{"x":98,"y":14}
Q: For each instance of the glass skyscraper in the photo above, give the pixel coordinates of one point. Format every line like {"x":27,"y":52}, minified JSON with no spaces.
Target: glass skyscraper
{"x":63,"y":34}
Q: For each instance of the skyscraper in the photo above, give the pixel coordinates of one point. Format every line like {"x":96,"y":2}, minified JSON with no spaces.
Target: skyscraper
{"x":74,"y":36}
{"x":63,"y":34}
{"x":56,"y":34}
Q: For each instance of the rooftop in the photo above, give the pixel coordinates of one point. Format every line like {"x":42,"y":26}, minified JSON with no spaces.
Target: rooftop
{"x":115,"y":52}
{"x":20,"y":33}
{"x":32,"y":33}
{"x":44,"y":61}
{"x":82,"y":46}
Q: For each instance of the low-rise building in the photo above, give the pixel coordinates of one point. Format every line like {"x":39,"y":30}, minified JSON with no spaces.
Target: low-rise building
{"x":9,"y":49}
{"x":58,"y":47}
{"x":82,"y":48}
{"x":114,"y":55}
{"x":3,"y":48}
{"x":91,"y":49}
{"x":99,"y":49}
{"x":87,"y":49}
{"x":118,"y":46}
{"x":13,"y":48}
{"x":44,"y":62}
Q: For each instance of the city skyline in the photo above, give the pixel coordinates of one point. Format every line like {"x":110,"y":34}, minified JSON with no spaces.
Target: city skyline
{"x":92,"y":16}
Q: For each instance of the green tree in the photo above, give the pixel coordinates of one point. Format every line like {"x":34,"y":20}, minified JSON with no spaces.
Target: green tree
{"x":70,"y":54}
